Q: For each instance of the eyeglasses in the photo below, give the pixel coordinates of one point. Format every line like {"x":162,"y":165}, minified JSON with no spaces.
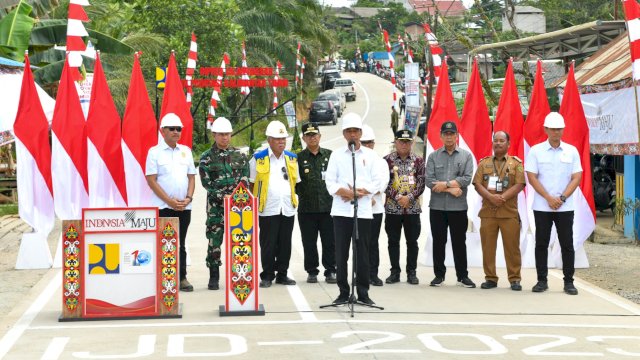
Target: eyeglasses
{"x":174,"y":128}
{"x":367,"y":142}
{"x":284,"y":173}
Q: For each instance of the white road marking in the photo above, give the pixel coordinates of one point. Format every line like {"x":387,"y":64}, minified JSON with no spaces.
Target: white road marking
{"x":55,"y":348}
{"x":16,"y":331}
{"x":301,"y":303}
{"x":592,"y":290}
{"x":278,"y":343}
{"x":335,"y":321}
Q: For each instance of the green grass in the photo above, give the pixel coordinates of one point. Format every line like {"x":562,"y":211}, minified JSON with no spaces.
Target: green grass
{"x":8,"y":209}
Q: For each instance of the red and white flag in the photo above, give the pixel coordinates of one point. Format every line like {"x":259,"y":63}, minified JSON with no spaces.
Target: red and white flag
{"x":533,"y":130}
{"x":69,"y":151}
{"x":436,"y":50}
{"x":244,"y":90}
{"x":31,"y":130}
{"x":444,"y":109}
{"x":392,"y":73}
{"x":509,"y":115}
{"x":139,"y":130}
{"x":174,"y":101}
{"x":75,"y":32}
{"x":107,"y":184}
{"x":509,"y":119}
{"x":475,"y":135}
{"x":632,"y":15}
{"x":191,"y":66}
{"x":217,"y":90}
{"x":275,"y":89}
{"x":577,"y":134}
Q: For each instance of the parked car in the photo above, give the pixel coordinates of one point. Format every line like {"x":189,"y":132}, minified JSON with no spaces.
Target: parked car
{"x":323,"y":111}
{"x":348,"y":87}
{"x":336,"y":97}
{"x":422,"y":128}
{"x":329,"y":77}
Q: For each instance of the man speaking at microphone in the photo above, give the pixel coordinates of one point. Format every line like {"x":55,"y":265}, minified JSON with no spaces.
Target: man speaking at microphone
{"x":340,"y":185}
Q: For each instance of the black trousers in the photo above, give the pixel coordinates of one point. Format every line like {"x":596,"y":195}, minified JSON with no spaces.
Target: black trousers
{"x":310,"y":225}
{"x":185,"y":219}
{"x":374,"y":247}
{"x":343,"y":230}
{"x":393,"y":225}
{"x":564,"y":226}
{"x":275,"y":245}
{"x":456,"y":222}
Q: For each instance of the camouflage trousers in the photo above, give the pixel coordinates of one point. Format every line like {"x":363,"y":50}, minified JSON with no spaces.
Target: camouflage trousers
{"x":215,"y":235}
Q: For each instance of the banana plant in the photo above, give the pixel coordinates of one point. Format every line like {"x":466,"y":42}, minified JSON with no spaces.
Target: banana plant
{"x":15,"y":31}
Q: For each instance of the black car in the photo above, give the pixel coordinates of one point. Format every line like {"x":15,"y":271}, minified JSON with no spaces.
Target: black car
{"x":329,"y":78}
{"x":323,"y":111}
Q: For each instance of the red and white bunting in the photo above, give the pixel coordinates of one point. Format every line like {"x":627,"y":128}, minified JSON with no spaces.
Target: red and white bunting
{"x":404,"y":48}
{"x":387,"y":44}
{"x":215,"y":95}
{"x":632,"y":15}
{"x":244,"y":90}
{"x":75,"y":32}
{"x":436,"y":50}
{"x":298,"y":64}
{"x":275,"y":89}
{"x":304,"y":64}
{"x":191,"y":66}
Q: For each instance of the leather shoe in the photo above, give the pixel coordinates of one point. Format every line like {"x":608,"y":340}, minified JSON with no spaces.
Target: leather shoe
{"x":489,"y":284}
{"x":375,"y":281}
{"x":392,"y":279}
{"x":366,"y":300}
{"x":515,"y":286}
{"x":285,"y":281}
{"x":265,"y":283}
{"x":541,"y":286}
{"x":412,"y":278}
{"x":185,"y":285}
{"x":570,"y":289}
{"x":331,"y":278}
{"x":312,"y":278}
{"x":341,"y":299}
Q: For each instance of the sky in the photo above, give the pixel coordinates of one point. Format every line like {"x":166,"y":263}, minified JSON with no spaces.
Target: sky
{"x":338,"y":3}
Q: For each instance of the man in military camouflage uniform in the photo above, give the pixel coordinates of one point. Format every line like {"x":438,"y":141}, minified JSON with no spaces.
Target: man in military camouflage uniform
{"x":498,"y":180}
{"x":222,"y":167}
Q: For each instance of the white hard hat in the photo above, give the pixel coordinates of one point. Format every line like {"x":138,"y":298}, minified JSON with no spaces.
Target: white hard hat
{"x":367,"y":133}
{"x":351,"y":120}
{"x":170,"y":119}
{"x":554,"y":121}
{"x":221,"y":125}
{"x":276,"y":129}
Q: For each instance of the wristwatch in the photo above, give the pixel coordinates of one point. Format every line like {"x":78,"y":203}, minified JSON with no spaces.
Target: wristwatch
{"x":563,"y":198}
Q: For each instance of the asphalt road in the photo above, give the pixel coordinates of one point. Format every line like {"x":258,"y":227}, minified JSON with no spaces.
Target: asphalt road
{"x":449,"y":322}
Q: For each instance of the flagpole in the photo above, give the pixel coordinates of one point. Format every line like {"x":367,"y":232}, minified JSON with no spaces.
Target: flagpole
{"x":635,"y":88}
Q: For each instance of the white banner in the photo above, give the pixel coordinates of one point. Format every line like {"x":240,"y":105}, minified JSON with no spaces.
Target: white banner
{"x":611,"y":116}
{"x":412,"y":84}
{"x":290,"y":112}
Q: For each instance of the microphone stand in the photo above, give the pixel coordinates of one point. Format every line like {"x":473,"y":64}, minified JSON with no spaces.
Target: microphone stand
{"x":355,"y":236}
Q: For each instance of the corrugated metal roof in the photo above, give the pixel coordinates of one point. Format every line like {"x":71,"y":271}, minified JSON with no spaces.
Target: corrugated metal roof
{"x":610,"y":64}
{"x":9,"y":62}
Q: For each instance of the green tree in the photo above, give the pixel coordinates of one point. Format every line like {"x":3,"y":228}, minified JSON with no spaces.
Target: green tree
{"x":567,"y":13}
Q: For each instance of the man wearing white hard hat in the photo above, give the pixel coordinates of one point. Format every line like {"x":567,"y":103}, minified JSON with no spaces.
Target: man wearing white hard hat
{"x":340,"y":184}
{"x":274,"y":174}
{"x":221,"y":168}
{"x":368,"y":139}
{"x":171,"y":174}
{"x":554,"y":171}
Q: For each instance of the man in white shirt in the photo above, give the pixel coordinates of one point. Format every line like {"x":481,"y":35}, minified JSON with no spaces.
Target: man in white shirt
{"x":554,"y":170}
{"x":273,"y":173}
{"x":171,"y":176}
{"x":340,"y":184}
{"x":368,"y":139}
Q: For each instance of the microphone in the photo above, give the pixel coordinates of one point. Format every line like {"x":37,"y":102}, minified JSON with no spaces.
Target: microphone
{"x":352,"y":146}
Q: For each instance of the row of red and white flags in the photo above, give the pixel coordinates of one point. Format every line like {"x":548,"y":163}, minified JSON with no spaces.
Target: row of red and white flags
{"x":476,"y":133}
{"x":98,"y":162}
